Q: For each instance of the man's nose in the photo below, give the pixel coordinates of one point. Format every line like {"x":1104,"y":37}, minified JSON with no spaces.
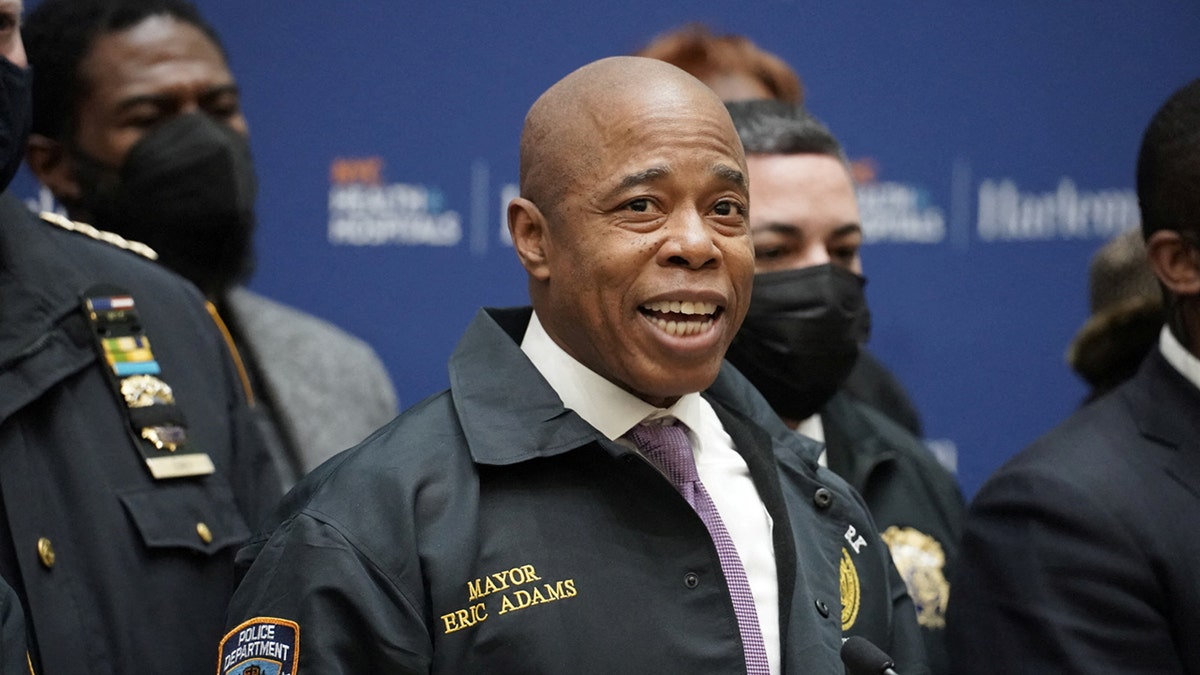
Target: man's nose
{"x":690,"y":241}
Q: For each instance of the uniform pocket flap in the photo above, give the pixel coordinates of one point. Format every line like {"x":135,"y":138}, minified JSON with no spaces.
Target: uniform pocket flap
{"x":186,"y":515}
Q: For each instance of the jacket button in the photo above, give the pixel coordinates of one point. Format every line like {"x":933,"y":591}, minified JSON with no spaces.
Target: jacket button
{"x":46,"y":552}
{"x":691,"y":580}
{"x":204,"y":532}
{"x":822,"y":498}
{"x":822,"y":609}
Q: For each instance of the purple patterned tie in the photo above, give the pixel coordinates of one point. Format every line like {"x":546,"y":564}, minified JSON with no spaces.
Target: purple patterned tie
{"x":668,"y":448}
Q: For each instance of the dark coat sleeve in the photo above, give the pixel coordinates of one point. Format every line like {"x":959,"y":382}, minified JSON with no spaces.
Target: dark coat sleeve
{"x":353,"y":618}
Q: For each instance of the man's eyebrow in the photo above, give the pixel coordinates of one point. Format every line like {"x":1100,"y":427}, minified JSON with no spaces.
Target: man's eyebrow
{"x":221,"y":90}
{"x":730,"y":174}
{"x":642,"y":177}
{"x":776,"y":227}
{"x":848,"y":228}
{"x":166,"y":98}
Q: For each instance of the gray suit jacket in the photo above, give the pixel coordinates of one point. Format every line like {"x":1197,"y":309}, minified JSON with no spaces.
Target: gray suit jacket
{"x":326,"y":389}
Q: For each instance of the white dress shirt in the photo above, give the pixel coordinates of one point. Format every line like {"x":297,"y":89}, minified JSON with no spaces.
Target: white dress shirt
{"x":1179,"y":357}
{"x":614,"y":411}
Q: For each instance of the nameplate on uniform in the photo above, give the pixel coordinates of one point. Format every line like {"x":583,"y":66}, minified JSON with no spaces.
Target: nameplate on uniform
{"x":156,"y":424}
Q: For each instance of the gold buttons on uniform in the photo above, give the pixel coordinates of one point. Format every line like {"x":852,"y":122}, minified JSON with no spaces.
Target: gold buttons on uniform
{"x":204,"y":532}
{"x":46,"y":552}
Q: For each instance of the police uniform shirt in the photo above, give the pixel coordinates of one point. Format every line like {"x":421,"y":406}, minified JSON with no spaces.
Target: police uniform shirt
{"x":1179,"y":357}
{"x":614,"y":411}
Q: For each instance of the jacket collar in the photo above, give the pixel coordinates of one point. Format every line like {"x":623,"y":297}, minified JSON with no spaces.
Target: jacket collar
{"x":514,"y":415}
{"x":1165,"y":404}
{"x":511,"y":415}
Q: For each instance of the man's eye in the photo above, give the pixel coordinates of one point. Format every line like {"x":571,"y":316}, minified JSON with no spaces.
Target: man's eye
{"x":767,"y":253}
{"x":639,"y":205}
{"x":844,"y":254}
{"x":728,"y":208}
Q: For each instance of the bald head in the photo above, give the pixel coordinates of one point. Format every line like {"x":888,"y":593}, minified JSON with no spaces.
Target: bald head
{"x":567,"y":125}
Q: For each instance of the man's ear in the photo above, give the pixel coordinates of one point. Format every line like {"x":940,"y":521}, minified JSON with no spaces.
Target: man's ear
{"x":52,"y":164}
{"x":1175,"y":263}
{"x":527,"y":226}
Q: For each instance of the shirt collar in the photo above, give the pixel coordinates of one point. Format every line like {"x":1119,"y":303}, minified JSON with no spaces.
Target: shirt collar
{"x":1179,"y":357}
{"x":602,"y":404}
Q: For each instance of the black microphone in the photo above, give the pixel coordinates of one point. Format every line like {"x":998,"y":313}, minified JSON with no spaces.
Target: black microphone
{"x":862,"y":657}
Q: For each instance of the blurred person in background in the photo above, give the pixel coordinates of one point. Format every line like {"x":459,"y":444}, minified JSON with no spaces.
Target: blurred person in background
{"x":1079,"y":554}
{"x":130,"y":470}
{"x":803,"y":332}
{"x":138,"y":129}
{"x":738,"y":70}
{"x":1126,"y":315}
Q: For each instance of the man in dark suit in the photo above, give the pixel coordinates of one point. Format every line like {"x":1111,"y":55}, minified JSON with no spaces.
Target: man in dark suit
{"x":1080,"y":554}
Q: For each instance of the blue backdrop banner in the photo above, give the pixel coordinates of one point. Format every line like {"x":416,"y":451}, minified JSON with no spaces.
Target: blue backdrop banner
{"x":997,"y":141}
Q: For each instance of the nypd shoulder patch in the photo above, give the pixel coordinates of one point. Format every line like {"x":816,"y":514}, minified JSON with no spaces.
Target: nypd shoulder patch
{"x":261,"y":646}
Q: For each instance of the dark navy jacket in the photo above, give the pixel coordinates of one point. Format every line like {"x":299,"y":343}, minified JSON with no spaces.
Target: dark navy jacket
{"x":490,"y":530}
{"x":115,"y":572}
{"x":1081,"y":554}
{"x":916,"y":503}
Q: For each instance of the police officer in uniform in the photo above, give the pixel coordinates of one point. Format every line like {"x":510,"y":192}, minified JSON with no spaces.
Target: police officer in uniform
{"x":802,"y":336}
{"x":129,"y":472}
{"x":574,"y":503}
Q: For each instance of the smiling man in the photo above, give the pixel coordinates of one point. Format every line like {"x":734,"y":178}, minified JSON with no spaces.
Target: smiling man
{"x":596,"y":492}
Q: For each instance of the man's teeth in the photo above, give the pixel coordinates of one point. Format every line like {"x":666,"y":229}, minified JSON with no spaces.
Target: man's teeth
{"x":702,"y":311}
{"x":676,"y":307}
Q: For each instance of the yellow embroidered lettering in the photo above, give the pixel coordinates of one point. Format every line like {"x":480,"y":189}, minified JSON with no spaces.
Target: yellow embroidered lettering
{"x":530,"y":574}
{"x":465,"y":618}
{"x":569,"y":584}
{"x":500,"y":581}
{"x":517,"y":576}
{"x":500,"y":585}
{"x":506,"y":604}
{"x":523,"y":599}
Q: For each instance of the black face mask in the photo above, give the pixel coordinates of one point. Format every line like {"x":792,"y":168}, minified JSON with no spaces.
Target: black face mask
{"x":801,"y":336}
{"x":15,"y":118}
{"x":187,"y":190}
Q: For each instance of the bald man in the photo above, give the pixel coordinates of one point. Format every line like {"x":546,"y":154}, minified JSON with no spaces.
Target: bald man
{"x":597,"y":492}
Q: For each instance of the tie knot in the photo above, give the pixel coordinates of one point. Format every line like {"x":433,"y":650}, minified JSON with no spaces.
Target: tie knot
{"x":668,"y":448}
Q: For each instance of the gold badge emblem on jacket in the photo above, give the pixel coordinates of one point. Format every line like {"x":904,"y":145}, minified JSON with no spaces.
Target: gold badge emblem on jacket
{"x":920,"y":560}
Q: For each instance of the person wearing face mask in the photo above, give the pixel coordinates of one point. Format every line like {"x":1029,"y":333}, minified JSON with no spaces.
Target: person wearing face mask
{"x":807,"y":318}
{"x":138,"y":130}
{"x":130,"y":470}
{"x":737,"y":69}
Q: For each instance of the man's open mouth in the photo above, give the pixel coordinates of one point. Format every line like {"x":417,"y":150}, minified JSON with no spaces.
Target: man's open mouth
{"x":681,"y":318}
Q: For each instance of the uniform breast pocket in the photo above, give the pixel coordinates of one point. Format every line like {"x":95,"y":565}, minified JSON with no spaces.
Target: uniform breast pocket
{"x":195,"y":516}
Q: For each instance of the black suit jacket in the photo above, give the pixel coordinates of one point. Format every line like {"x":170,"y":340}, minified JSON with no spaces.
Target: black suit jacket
{"x":1081,"y":554}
